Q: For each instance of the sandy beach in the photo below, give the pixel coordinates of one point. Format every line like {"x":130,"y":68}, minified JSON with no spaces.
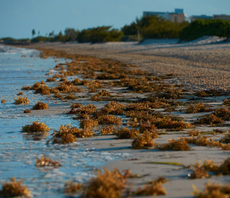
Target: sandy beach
{"x":200,"y":64}
{"x":197,"y":65}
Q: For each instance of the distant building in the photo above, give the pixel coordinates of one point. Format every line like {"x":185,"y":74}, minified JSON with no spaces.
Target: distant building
{"x":177,"y":16}
{"x":221,"y":16}
{"x":196,"y":17}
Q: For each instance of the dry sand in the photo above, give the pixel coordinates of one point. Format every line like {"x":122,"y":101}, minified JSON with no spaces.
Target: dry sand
{"x":198,"y":66}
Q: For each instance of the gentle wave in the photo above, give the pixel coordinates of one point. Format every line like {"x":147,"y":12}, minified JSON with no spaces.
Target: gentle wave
{"x":13,"y":50}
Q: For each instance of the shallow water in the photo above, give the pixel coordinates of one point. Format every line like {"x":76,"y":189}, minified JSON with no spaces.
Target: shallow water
{"x":18,"y":151}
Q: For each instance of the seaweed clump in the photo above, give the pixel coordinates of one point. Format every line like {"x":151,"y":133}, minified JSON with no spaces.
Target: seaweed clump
{"x":225,"y":167}
{"x":202,"y":141}
{"x":68,"y":134}
{"x":125,"y":133}
{"x":35,"y":127}
{"x":194,"y":132}
{"x":226,"y":138}
{"x":107,"y":130}
{"x":226,"y":102}
{"x":27,"y":111}
{"x":14,"y":188}
{"x":46,"y":161}
{"x":3,"y":101}
{"x":72,"y":187}
{"x":88,"y":123}
{"x":40,"y":105}
{"x":106,"y":185}
{"x":143,"y":141}
{"x":202,"y":171}
{"x":196,"y":108}
{"x":213,"y":190}
{"x":22,"y":100}
{"x":154,"y":189}
{"x":174,"y":145}
{"x":108,"y":119}
{"x":219,"y":115}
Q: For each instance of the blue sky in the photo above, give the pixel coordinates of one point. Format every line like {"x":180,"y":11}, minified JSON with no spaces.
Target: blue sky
{"x":19,"y":17}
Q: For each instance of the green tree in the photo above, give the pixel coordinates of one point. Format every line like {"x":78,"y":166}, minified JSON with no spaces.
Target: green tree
{"x":51,"y":34}
{"x":33,"y":32}
{"x":99,"y":34}
{"x":71,"y":33}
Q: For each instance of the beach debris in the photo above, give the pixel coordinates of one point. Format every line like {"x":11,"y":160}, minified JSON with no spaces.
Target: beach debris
{"x":68,"y":134}
{"x":226,"y":102}
{"x":43,"y":90}
{"x":209,"y":119}
{"x":88,"y":123}
{"x":174,"y":145}
{"x":160,"y":121}
{"x":22,"y":100}
{"x":225,"y":167}
{"x":210,"y":93}
{"x":197,"y":108}
{"x":35,"y":127}
{"x":114,"y":108}
{"x":225,"y":138}
{"x":20,"y":93}
{"x":198,"y":173}
{"x":219,"y":115}
{"x":208,"y":166}
{"x":107,"y":119}
{"x":27,"y":111}
{"x":72,"y":187}
{"x":153,"y":189}
{"x":125,"y":133}
{"x":46,"y":161}
{"x":201,"y":171}
{"x":64,"y":135}
{"x":70,"y":97}
{"x":202,"y":141}
{"x":148,"y":126}
{"x":42,"y":82}
{"x":78,"y":105}
{"x":193,"y":132}
{"x":40,"y":105}
{"x":25,"y":87}
{"x":212,"y":190}
{"x":3,"y":101}
{"x":143,"y":141}
{"x":106,"y":185}
{"x":50,"y":80}
{"x":107,"y":130}
{"x":81,"y":111}
{"x":14,"y":189}
{"x":224,"y":146}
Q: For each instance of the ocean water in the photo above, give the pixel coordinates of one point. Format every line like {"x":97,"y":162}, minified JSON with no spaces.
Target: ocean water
{"x":18,"y":151}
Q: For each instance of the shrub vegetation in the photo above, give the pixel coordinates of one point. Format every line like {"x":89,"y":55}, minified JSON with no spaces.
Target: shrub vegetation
{"x":208,"y":27}
{"x":154,"y":27}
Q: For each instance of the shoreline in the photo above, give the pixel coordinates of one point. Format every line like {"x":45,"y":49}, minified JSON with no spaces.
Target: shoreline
{"x":139,"y":161}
